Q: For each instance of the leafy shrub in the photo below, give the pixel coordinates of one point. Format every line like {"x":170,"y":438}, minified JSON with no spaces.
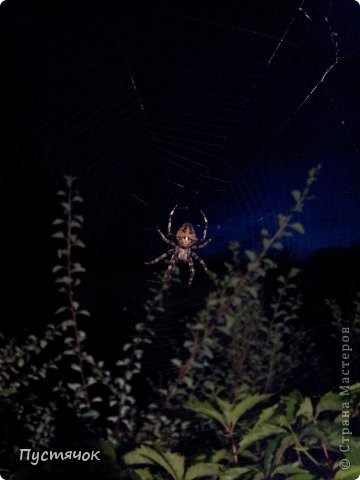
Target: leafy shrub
{"x":225,"y":407}
{"x":291,"y":438}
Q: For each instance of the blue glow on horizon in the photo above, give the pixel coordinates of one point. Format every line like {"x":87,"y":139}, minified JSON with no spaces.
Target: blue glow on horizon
{"x":330,"y":220}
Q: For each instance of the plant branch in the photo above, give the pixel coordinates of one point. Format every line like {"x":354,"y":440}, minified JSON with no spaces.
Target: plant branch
{"x":70,"y":293}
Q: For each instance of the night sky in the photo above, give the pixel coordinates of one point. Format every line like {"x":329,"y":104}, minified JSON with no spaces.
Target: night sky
{"x":219,"y":106}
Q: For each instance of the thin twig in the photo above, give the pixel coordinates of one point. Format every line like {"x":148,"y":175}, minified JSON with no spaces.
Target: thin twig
{"x":78,"y":349}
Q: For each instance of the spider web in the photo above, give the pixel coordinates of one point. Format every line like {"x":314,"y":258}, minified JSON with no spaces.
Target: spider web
{"x":219,"y":109}
{"x":220,"y":140}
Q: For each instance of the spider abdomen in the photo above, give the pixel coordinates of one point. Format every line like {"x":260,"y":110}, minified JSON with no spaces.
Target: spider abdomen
{"x":183,"y":244}
{"x":183,"y":254}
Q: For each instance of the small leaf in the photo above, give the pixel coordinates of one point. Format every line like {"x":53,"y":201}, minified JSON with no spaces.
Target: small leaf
{"x":57,"y":268}
{"x":259,"y":433}
{"x":65,"y":280}
{"x":245,"y":405}
{"x":292,"y":402}
{"x":295,"y":472}
{"x":252,"y":266}
{"x":305,"y":409}
{"x":202,"y":470}
{"x":66,"y":206}
{"x":207,"y":410}
{"x":69,"y":180}
{"x":58,"y":235}
{"x":350,"y":474}
{"x":172,"y":463}
{"x":142,"y":474}
{"x":266,"y":243}
{"x":297,"y":227}
{"x":108,"y":450}
{"x":235,"y":473}
{"x":251,"y":255}
{"x":296,"y":194}
{"x":75,"y":224}
{"x":79,"y":243}
{"x":74,"y":386}
{"x":60,"y":310}
{"x":282,"y":220}
{"x":328,"y":402}
{"x":176,"y":361}
{"x":293,"y":272}
{"x":77,"y":267}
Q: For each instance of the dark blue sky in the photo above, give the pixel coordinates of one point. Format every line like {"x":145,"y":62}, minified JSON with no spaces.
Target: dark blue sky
{"x":330,"y":219}
{"x":213,"y":105}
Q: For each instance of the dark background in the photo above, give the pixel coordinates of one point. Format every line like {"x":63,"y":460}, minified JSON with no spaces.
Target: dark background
{"x":212,"y":105}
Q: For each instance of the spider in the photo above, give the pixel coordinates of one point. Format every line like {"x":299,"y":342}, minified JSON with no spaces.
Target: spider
{"x":184,"y":242}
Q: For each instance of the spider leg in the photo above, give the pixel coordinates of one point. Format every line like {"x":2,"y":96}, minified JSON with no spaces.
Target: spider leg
{"x":202,"y":245}
{"x":173,"y":262}
{"x":161,"y":257}
{"x":201,"y":261}
{"x":170,"y":242}
{"x":192,"y":270}
{"x":206,"y":226}
{"x":170,"y":219}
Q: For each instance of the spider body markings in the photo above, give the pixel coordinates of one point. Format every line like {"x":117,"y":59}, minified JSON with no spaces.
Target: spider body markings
{"x":183,"y":243}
